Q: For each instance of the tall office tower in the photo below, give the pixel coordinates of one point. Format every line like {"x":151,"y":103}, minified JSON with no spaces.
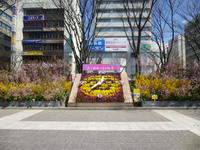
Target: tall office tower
{"x":111,"y":28}
{"x":40,"y":33}
{"x":5,"y":33}
{"x":192,"y":40}
{"x":178,"y":50}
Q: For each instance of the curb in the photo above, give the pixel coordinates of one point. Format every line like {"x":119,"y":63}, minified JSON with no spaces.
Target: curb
{"x":101,"y":108}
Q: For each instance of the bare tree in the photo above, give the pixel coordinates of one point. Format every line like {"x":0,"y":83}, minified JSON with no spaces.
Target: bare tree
{"x":164,"y":27}
{"x":191,"y":14}
{"x":80,"y":25}
{"x":137,"y":15}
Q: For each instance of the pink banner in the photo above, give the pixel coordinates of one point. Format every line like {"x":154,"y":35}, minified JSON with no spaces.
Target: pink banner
{"x":100,"y":67}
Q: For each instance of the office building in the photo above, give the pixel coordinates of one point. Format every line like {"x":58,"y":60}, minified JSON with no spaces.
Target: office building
{"x":178,"y":50}
{"x":40,"y":34}
{"x":5,"y":33}
{"x":110,"y":27}
{"x":192,"y":40}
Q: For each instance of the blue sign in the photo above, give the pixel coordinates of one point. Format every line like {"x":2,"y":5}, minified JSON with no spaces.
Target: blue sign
{"x":33,"y":17}
{"x":97,"y":45}
{"x":32,"y":41}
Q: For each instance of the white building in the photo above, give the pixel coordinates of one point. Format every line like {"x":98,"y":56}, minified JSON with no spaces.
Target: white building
{"x":150,"y":57}
{"x":111,"y":28}
{"x":192,"y":40}
{"x":40,"y":32}
{"x":178,"y":53}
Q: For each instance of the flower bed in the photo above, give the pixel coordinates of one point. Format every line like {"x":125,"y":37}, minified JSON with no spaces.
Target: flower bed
{"x":34,"y":82}
{"x":109,"y":91}
{"x":171,"y":83}
{"x":34,"y":91}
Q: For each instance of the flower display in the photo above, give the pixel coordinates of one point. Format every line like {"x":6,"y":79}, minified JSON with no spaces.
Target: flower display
{"x":100,"y":88}
{"x":40,"y":90}
{"x":164,"y":87}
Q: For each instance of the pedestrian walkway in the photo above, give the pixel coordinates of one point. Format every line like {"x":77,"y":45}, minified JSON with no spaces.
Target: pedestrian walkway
{"x":176,"y":122}
{"x":99,"y":129}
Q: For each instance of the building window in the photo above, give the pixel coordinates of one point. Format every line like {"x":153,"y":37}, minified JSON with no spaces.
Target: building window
{"x":5,"y":26}
{"x":43,"y":35}
{"x":119,"y":20}
{"x":5,"y":15}
{"x":122,"y":11}
{"x":120,"y":29}
{"x":117,"y":2}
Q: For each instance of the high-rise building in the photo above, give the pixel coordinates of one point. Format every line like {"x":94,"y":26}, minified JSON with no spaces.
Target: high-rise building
{"x":110,"y":26}
{"x":192,"y":40}
{"x":178,"y":50}
{"x":5,"y":33}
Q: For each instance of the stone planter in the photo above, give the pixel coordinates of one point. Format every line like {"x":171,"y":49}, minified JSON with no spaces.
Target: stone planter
{"x":4,"y":104}
{"x":171,"y":104}
{"x":33,"y":104}
{"x":138,"y":104}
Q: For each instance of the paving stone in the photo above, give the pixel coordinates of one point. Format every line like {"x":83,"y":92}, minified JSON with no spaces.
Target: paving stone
{"x":97,"y":116}
{"x":6,"y":112}
{"x":86,"y":140}
{"x":99,"y":130}
{"x":192,"y":113}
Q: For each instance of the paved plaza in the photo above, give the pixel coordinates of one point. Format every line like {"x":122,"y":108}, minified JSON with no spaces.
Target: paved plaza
{"x":99,"y":129}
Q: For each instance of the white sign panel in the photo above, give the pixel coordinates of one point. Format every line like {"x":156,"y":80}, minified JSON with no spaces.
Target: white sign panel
{"x":116,"y":44}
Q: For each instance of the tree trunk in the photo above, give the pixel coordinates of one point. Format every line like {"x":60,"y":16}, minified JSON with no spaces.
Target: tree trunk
{"x":137,"y":65}
{"x":79,"y":68}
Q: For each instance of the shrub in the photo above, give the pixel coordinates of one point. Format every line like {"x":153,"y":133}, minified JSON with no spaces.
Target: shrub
{"x":164,"y":87}
{"x":35,"y":81}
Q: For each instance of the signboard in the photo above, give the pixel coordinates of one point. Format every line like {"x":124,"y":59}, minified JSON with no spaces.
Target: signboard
{"x":42,"y":41}
{"x":146,"y":47}
{"x":109,"y":45}
{"x":100,"y":67}
{"x":116,"y":44}
{"x":136,"y":92}
{"x":32,"y":53}
{"x":154,"y":97}
{"x":97,"y":45}
{"x":33,"y":17}
{"x":32,"y":41}
{"x":13,"y":39}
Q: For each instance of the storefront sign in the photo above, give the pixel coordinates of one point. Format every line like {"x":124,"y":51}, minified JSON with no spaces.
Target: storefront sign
{"x":97,"y":45}
{"x":109,"y":45}
{"x":33,"y":17}
{"x":13,"y":39}
{"x":146,"y":47}
{"x":32,"y":41}
{"x":100,"y":67}
{"x":116,"y":44}
{"x":33,"y":53}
